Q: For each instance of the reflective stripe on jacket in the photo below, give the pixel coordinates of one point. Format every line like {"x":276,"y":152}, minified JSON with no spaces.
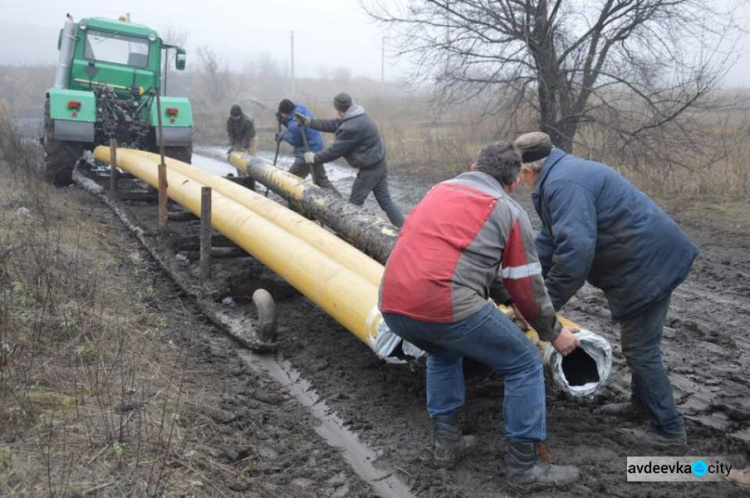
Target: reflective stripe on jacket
{"x":454,"y":244}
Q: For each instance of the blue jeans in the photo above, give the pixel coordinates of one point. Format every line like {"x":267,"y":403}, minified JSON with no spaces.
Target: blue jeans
{"x":375,"y":180}
{"x":490,"y":337}
{"x":650,"y":387}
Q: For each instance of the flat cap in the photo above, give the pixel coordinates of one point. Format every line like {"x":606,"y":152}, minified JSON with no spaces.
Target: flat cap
{"x":533,"y":146}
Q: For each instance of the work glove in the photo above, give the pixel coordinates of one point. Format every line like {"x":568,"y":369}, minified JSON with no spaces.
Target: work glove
{"x":301,"y":119}
{"x":279,"y":118}
{"x":278,"y":136}
{"x":310,"y":157}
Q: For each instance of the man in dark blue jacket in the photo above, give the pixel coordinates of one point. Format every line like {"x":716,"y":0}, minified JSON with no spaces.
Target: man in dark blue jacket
{"x":293,"y":136}
{"x":598,"y":227}
{"x":358,"y":141}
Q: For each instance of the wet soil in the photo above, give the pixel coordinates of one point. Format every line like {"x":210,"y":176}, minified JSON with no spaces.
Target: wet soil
{"x":254,"y":439}
{"x":383,"y":404}
{"x":704,"y":348}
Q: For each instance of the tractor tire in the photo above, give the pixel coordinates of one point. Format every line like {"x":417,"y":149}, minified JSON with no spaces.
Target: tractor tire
{"x":59,"y":160}
{"x":60,"y":157}
{"x":184,"y":154}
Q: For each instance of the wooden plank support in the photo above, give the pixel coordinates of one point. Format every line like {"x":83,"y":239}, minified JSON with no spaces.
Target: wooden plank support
{"x":113,"y":164}
{"x":163,"y":214}
{"x":206,"y":232}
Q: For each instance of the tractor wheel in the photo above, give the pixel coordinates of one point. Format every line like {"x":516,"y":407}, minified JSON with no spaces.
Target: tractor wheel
{"x":183,"y":154}
{"x":59,"y":160}
{"x":60,"y":157}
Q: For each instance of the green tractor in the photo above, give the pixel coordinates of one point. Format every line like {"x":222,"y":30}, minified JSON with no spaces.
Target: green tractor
{"x":106,"y":85}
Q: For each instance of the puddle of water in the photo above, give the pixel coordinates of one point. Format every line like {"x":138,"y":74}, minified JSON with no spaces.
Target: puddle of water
{"x":331,"y":428}
{"x":208,"y":158}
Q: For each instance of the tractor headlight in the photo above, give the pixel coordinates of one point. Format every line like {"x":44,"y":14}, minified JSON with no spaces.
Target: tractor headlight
{"x":83,"y":26}
{"x":151,"y":37}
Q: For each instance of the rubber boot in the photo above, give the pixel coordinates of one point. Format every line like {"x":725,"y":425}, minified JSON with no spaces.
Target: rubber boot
{"x":448,"y":444}
{"x":527,"y":468}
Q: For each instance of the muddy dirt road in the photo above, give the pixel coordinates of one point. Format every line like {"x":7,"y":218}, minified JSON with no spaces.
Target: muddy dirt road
{"x":705,"y":350}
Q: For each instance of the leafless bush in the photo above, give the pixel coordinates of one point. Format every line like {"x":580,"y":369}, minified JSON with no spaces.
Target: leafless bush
{"x":92,"y":394}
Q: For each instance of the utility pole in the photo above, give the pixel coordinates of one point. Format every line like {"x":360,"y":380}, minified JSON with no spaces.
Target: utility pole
{"x":293,"y":95}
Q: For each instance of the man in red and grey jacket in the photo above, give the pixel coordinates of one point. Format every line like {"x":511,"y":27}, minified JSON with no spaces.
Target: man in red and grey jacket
{"x":465,"y":237}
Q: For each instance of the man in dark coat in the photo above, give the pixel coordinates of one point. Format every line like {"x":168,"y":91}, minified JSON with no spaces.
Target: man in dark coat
{"x":241,"y":131}
{"x":359,"y":142}
{"x":310,"y":142}
{"x":598,"y":227}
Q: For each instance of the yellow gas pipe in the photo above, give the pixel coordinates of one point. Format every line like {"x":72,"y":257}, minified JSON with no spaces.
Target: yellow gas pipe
{"x":299,"y":251}
{"x":274,"y":212}
{"x":341,"y":292}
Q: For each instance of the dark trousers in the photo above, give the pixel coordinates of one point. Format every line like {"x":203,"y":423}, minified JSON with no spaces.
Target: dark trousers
{"x":302,"y":169}
{"x":375,"y":180}
{"x":650,"y":387}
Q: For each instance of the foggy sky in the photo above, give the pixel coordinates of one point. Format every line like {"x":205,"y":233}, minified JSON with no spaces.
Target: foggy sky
{"x":328,"y":33}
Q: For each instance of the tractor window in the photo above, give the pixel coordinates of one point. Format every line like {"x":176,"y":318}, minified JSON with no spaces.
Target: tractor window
{"x":116,"y":48}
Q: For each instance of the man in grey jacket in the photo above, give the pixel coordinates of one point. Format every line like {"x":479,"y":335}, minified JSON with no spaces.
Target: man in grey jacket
{"x":359,"y":142}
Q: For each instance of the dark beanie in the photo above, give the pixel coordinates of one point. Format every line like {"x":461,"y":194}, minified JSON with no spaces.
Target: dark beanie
{"x":533,"y":146}
{"x":236,"y":110}
{"x":342,"y":101}
{"x":286,"y":106}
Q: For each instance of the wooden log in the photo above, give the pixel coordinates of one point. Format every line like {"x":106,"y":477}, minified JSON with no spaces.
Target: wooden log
{"x":369,"y":234}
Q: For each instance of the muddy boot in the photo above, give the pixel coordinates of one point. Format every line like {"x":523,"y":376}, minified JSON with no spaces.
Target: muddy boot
{"x":642,"y":437}
{"x":626,"y":410}
{"x":527,"y":469}
{"x":740,"y":478}
{"x":449,"y":445}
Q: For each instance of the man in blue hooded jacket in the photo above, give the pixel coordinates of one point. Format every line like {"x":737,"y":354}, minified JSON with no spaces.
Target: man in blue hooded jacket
{"x":598,"y":227}
{"x":293,"y":136}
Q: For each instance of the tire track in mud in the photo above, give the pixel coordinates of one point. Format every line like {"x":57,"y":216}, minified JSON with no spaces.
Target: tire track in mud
{"x":365,"y":462}
{"x":360,"y":457}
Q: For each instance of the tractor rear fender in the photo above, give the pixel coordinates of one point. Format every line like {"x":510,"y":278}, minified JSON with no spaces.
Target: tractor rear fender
{"x":176,"y":120}
{"x":72,"y":114}
{"x":176,"y":112}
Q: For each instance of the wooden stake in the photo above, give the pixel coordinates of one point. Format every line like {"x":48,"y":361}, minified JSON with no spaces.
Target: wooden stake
{"x":163,"y":215}
{"x":205,"y":234}
{"x":113,"y":164}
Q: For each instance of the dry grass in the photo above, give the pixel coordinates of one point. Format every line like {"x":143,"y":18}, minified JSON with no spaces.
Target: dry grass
{"x":93,"y":394}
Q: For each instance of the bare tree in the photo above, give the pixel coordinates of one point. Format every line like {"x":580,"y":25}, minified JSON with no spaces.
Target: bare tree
{"x":633,"y":65}
{"x":215,"y":80}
